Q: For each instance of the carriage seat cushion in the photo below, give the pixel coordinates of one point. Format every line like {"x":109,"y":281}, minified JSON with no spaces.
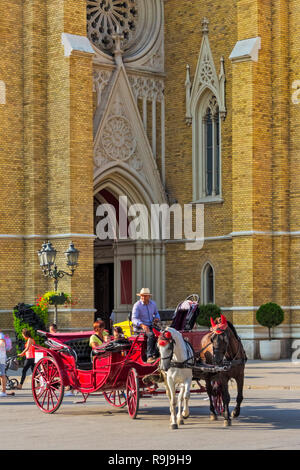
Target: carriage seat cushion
{"x":81,"y":348}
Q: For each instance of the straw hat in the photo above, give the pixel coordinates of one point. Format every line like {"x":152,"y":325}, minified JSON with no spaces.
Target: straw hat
{"x":144,"y":291}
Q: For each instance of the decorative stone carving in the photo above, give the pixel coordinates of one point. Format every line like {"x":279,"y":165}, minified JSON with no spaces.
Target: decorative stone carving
{"x":136,"y":163}
{"x":139,"y":26}
{"x":149,"y":88}
{"x":107,"y":17}
{"x":117,"y":138}
{"x":205,"y":78}
{"x":206,"y":72}
{"x":101,"y":80}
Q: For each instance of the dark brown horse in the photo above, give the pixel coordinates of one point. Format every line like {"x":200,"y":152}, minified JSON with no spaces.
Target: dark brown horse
{"x":222,"y":346}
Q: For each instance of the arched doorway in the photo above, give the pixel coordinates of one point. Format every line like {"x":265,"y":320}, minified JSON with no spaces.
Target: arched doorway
{"x":124,"y":265}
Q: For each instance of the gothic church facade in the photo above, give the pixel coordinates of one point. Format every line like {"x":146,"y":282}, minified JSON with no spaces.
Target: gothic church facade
{"x":156,"y":102}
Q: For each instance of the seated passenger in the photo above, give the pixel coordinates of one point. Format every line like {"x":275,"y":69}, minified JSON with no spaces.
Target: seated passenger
{"x":118,"y":333}
{"x":53,"y":328}
{"x":100,"y":335}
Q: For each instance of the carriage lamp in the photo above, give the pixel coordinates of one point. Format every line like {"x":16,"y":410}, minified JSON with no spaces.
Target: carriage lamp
{"x":47,"y":256}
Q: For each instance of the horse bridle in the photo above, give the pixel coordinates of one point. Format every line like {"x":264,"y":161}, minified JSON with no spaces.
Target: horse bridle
{"x":167,"y":338}
{"x":233,"y":360}
{"x":214,"y":335}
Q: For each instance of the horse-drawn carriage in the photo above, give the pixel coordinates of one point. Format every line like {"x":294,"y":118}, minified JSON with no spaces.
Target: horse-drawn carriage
{"x":117,"y":368}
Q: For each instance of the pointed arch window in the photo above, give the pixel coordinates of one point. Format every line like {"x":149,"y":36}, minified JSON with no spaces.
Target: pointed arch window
{"x":205,"y":110}
{"x":211,"y":150}
{"x":208,"y":285}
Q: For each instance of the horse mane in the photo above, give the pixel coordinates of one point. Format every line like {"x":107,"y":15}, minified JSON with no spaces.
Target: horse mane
{"x":175,"y":333}
{"x":218,"y":320}
{"x":233,"y":330}
{"x":178,"y":336}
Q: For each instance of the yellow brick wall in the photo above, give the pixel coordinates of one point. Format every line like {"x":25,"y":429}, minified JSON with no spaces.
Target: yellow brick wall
{"x":255,"y":153}
{"x":294,"y":159}
{"x":183,"y":36}
{"x":12,"y":219}
{"x":46,"y":154}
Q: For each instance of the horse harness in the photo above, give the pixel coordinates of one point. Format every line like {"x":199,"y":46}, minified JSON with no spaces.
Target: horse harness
{"x":232,"y":362}
{"x":166,"y":337}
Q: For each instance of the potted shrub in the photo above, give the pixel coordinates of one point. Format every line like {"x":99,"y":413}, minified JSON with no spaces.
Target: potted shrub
{"x":270,"y":315}
{"x":206,"y":312}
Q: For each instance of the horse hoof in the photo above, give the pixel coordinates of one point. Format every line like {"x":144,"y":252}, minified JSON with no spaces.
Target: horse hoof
{"x":213,"y":417}
{"x":186,"y":417}
{"x":174,"y":426}
{"x":227,"y":423}
{"x":235,"y":414}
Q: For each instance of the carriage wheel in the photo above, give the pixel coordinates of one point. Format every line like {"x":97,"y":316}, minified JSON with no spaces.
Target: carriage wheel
{"x":47,"y":385}
{"x":217,"y":398}
{"x":132,"y":393}
{"x":116,"y":398}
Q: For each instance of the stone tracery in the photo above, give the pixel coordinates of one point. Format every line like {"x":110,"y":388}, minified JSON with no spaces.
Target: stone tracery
{"x":106,"y":17}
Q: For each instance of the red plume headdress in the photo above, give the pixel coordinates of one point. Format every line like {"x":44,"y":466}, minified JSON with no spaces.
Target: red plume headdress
{"x":219,"y":327}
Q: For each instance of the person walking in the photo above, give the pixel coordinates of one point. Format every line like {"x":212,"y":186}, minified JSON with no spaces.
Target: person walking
{"x":2,"y":365}
{"x":29,"y":354}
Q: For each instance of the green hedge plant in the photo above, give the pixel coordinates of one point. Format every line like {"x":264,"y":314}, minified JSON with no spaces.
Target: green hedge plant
{"x":40,"y":310}
{"x":206,"y":312}
{"x":270,"y":315}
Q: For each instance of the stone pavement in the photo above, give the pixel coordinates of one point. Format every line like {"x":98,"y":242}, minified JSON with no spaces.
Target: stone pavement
{"x":272,"y":375}
{"x":276,"y":375}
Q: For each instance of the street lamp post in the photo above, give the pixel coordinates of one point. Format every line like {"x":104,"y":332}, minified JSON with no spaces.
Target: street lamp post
{"x":47,"y":257}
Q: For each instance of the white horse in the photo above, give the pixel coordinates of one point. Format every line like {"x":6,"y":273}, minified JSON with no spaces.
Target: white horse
{"x":176,"y":359}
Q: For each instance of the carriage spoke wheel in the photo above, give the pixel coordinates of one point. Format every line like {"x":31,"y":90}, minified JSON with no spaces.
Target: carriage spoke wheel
{"x":47,"y":385}
{"x":132,"y":393}
{"x":116,"y":398}
{"x":217,"y":399}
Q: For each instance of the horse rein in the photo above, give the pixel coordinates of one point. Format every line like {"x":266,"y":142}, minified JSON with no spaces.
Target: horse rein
{"x":167,"y":338}
{"x":184,"y":364}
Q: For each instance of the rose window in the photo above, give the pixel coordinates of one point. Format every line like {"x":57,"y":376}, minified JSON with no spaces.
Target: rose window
{"x":117,"y":138}
{"x":106,"y":17}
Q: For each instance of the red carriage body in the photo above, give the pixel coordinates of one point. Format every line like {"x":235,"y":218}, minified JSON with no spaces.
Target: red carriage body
{"x":116,"y":372}
{"x":115,"y":369}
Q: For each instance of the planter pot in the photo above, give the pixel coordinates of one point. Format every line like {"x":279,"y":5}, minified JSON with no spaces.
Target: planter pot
{"x":57,"y":300}
{"x":270,"y":350}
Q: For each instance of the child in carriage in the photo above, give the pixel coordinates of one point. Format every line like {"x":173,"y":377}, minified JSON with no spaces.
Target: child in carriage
{"x":117,"y":333}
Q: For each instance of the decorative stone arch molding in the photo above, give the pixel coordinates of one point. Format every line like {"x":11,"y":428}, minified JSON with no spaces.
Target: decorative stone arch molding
{"x":120,"y":138}
{"x":146,"y":256}
{"x":206,"y":91}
